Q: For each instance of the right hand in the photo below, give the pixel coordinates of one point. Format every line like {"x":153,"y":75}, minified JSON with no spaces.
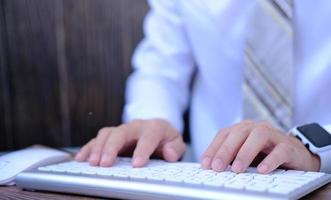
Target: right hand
{"x":144,"y":137}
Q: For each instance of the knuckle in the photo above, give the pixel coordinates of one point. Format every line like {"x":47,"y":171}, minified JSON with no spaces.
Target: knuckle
{"x":120,"y":130}
{"x":277,"y":156}
{"x":261,"y":129}
{"x":286,"y":148}
{"x":147,"y":137}
{"x":218,"y":134}
{"x":243,"y":128}
{"x":289,"y":150}
{"x":265,"y":125}
{"x":93,"y":140}
{"x":161,"y":128}
{"x":110,"y":148}
{"x":103,"y":131}
{"x":122,"y":126}
{"x":283,"y":145}
{"x":225,"y":150}
{"x":247,"y":122}
{"x":122,"y":134}
{"x":258,"y":133}
{"x":221,"y":131}
{"x":136,"y":123}
{"x":154,"y":124}
{"x":239,"y":132}
{"x":140,"y":151}
{"x":211,"y":151}
{"x":261,"y":134}
{"x":96,"y":150}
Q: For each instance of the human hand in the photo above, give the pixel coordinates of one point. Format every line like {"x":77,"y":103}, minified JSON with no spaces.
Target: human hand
{"x":242,"y":142}
{"x":142,"y":138}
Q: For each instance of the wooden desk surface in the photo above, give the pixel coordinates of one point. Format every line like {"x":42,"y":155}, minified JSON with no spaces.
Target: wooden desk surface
{"x":13,"y":192}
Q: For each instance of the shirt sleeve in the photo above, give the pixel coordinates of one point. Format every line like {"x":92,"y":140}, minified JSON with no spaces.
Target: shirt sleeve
{"x":163,"y":67}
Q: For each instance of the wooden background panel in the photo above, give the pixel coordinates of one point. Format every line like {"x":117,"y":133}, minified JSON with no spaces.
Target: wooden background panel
{"x":5,"y":132}
{"x":65,"y":65}
{"x":100,"y":38}
{"x":33,"y":74}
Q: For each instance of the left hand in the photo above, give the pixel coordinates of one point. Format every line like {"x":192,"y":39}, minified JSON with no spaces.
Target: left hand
{"x":242,"y":142}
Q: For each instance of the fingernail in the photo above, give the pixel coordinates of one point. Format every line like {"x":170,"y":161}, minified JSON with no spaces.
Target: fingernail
{"x":138,"y":162}
{"x":171,"y":154}
{"x":104,"y":159}
{"x":237,"y":166}
{"x":205,"y":163}
{"x":93,"y":158}
{"x":218,"y":164}
{"x":263,"y":168}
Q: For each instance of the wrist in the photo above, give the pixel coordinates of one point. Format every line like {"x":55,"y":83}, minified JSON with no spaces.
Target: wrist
{"x":318,"y":142}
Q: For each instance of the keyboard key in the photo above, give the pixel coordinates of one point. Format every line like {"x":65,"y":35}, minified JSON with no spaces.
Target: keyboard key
{"x":235,"y":184}
{"x":193,"y":181}
{"x":293,"y":172}
{"x":88,"y":171}
{"x":256,"y":187}
{"x":215,"y":182}
{"x":280,"y":190}
{"x":105,"y":172}
{"x":313,"y":174}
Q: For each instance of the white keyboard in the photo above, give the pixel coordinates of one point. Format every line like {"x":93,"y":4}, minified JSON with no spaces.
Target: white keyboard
{"x":163,"y":180}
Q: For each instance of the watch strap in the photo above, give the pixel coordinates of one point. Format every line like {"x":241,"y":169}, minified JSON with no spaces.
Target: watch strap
{"x":325,"y":157}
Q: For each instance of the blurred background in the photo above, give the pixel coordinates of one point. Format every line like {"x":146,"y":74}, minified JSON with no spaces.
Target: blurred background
{"x":63,"y":65}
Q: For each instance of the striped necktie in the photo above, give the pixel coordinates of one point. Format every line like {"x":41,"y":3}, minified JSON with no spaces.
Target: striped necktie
{"x":269,"y":64}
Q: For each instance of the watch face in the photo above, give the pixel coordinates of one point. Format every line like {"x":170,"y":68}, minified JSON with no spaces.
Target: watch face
{"x":317,"y":135}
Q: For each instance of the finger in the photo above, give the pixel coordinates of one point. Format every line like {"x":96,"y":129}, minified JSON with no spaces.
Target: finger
{"x":114,"y":143}
{"x":173,"y":150}
{"x":278,"y":156}
{"x":213,"y":147}
{"x":229,"y":148}
{"x":254,"y":144}
{"x":146,"y":145}
{"x":84,"y":152}
{"x":209,"y":154}
{"x":96,"y":151}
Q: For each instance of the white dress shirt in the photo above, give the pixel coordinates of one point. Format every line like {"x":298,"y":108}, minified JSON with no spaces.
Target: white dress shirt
{"x":209,"y":37}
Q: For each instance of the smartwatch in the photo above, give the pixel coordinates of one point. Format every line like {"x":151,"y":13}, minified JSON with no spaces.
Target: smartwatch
{"x":317,"y":140}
